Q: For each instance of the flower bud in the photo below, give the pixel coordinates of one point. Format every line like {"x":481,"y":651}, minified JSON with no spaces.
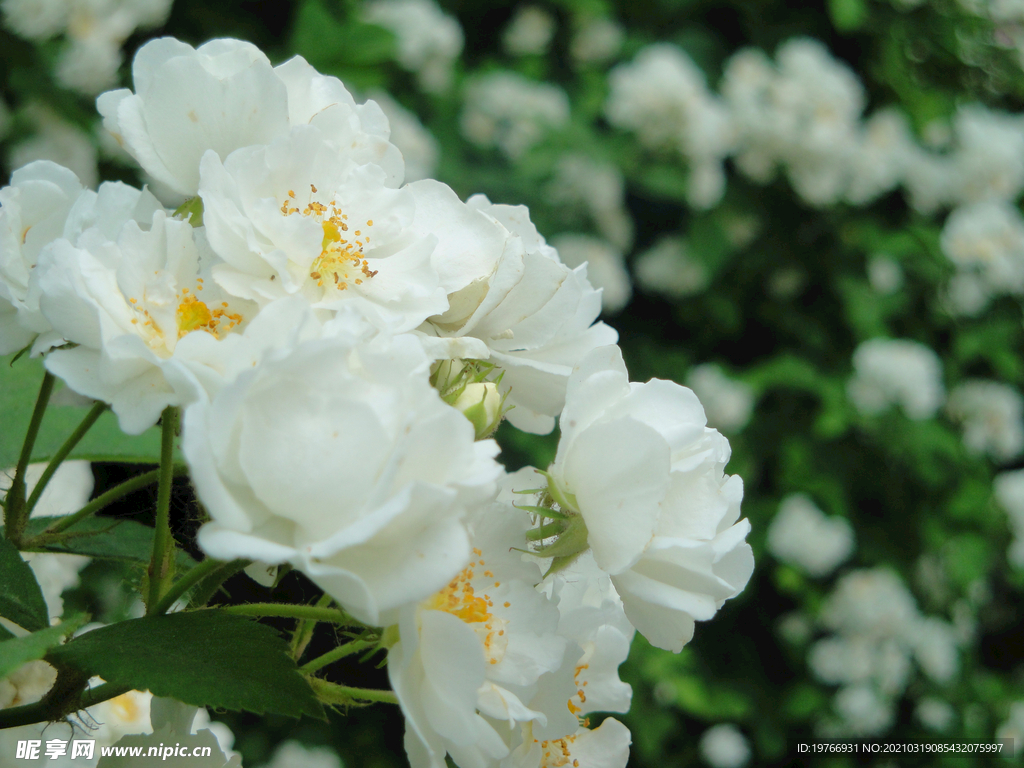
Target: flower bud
{"x":480,"y":402}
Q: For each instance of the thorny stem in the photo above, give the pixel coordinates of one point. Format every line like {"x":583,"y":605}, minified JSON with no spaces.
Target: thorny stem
{"x":162,"y":564}
{"x":15,"y":512}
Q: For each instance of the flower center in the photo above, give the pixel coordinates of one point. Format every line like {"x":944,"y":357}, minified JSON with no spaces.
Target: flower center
{"x":557,"y":753}
{"x":341,"y":262}
{"x":460,"y":599}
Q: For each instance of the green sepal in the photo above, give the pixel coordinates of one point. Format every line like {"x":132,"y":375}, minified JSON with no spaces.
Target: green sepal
{"x":544,"y":512}
{"x":191,"y":211}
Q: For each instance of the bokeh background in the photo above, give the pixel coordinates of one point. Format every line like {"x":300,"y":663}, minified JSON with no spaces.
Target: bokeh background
{"x":809,"y":213}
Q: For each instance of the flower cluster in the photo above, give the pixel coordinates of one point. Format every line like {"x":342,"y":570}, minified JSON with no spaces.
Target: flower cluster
{"x":342,"y":345}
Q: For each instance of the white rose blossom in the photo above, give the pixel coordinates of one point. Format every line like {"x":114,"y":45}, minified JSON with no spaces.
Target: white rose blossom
{"x":225,"y":95}
{"x":521,"y":309}
{"x":470,"y":656}
{"x":298,"y":217}
{"x":133,"y":305}
{"x":896,"y":372}
{"x":802,"y":534}
{"x":371,"y":505}
{"x":639,"y":465}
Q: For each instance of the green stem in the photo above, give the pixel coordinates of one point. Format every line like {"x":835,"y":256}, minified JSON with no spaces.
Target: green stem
{"x":162,"y":564}
{"x":332,"y":693}
{"x":304,"y":630}
{"x":208,"y":587}
{"x":44,"y":711}
{"x":192,"y":577}
{"x":62,"y":453}
{"x":288,"y":611}
{"x":105,"y":499}
{"x":332,"y":656}
{"x":15,"y":514}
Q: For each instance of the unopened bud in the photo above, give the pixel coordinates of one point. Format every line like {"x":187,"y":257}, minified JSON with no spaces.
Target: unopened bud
{"x":480,"y":402}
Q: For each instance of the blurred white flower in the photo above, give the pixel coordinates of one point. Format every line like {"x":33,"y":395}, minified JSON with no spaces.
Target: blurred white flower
{"x":529,"y":32}
{"x":58,"y":141}
{"x":295,"y":754}
{"x":986,"y":243}
{"x":418,"y":146}
{"x":727,"y":402}
{"x":896,"y":372}
{"x":599,"y":188}
{"x":429,"y":40}
{"x":667,"y":268}
{"x":885,"y":274}
{"x":724,"y":746}
{"x":935,"y":714}
{"x":992,"y":416}
{"x":606,"y":267}
{"x":597,"y":40}
{"x":803,"y":535}
{"x":1009,"y":492}
{"x":508,"y":111}
{"x":662,"y":96}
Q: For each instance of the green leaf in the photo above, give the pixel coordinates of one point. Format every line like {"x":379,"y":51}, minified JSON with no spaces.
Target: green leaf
{"x":107,"y":538}
{"x":205,"y":658}
{"x":21,"y":600}
{"x":325,"y":41}
{"x":21,"y":650}
{"x":19,"y":384}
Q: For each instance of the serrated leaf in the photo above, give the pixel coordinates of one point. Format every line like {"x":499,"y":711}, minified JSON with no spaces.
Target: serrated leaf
{"x":204,"y":658}
{"x":21,"y":650}
{"x":21,"y":600}
{"x":106,"y":538}
{"x":19,"y":385}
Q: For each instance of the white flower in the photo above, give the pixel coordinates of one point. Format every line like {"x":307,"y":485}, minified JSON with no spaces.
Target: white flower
{"x":470,"y":656}
{"x":521,"y":309}
{"x":986,"y":242}
{"x":801,"y":534}
{"x":862,"y":712}
{"x":1009,"y":492}
{"x":727,"y":402}
{"x":371,"y":506}
{"x":295,"y":754}
{"x":295,"y":217}
{"x":418,"y":146}
{"x":667,"y":268}
{"x":173,"y":727}
{"x":529,"y":32}
{"x":225,"y":95}
{"x":883,"y":152}
{"x":896,"y":372}
{"x":802,"y":114}
{"x":599,"y":188}
{"x":35,"y":19}
{"x":992,"y":416}
{"x":597,"y":40}
{"x":638,"y":463}
{"x":133,"y":306}
{"x":606,"y":746}
{"x":885,"y":274}
{"x":33,"y":212}
{"x":935,"y":714}
{"x":662,"y":96}
{"x":429,"y":40}
{"x":1013,"y":726}
{"x":59,"y":141}
{"x":606,"y":267}
{"x":723,"y":746}
{"x":506,"y":110}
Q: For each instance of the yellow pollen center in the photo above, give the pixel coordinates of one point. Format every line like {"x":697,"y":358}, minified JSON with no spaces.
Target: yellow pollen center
{"x":341,"y":262}
{"x":194,"y":315}
{"x":460,"y":599}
